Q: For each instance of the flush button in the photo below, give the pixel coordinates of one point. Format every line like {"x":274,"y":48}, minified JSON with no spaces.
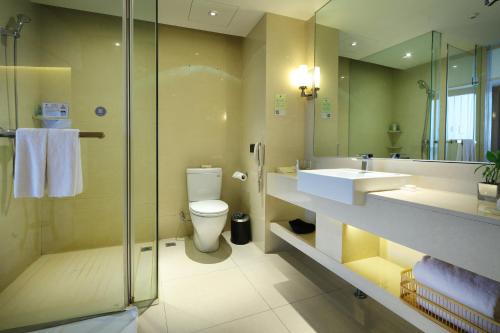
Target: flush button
{"x":100,"y":111}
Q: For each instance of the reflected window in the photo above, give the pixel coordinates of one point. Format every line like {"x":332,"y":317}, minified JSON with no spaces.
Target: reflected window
{"x":461,"y":115}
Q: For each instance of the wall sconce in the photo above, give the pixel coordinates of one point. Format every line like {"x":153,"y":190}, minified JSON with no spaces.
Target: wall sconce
{"x":307,"y":80}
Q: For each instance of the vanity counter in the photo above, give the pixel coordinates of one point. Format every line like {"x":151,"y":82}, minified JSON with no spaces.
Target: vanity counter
{"x":454,"y":227}
{"x":455,"y":204}
{"x":450,"y":226}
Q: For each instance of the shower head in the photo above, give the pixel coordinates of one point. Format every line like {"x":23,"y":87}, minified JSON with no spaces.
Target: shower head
{"x":21,"y":20}
{"x":15,"y":26}
{"x":422,"y":84}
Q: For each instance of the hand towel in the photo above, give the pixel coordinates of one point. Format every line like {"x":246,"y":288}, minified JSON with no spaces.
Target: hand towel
{"x":30,"y":162}
{"x":64,"y":166}
{"x":300,"y":227}
{"x":473,"y":290}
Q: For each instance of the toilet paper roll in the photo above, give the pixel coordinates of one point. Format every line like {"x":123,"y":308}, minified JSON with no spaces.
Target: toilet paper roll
{"x":241,"y":176}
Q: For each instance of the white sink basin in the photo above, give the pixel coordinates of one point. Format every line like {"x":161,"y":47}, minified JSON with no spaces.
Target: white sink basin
{"x":348,"y":185}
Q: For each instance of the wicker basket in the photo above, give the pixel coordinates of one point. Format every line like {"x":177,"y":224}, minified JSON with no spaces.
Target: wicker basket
{"x":450,"y":314}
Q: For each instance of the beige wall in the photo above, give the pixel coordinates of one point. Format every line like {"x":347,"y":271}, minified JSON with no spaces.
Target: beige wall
{"x":200,"y":118}
{"x":409,"y":107}
{"x":287,"y":42}
{"x":273,"y":49}
{"x":91,"y":75}
{"x":370,"y":108}
{"x":254,"y":130}
{"x":370,"y":98}
{"x":329,"y":134}
{"x":94,"y":218}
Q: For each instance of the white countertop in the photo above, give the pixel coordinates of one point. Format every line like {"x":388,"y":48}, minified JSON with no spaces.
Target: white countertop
{"x":445,"y":202}
{"x":457,"y":204}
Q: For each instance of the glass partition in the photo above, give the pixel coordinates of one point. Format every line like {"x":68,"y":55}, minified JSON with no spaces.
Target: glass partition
{"x":95,"y":252}
{"x":143,"y":144}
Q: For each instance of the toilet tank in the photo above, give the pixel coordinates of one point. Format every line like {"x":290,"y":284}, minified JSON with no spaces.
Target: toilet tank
{"x":204,"y":183}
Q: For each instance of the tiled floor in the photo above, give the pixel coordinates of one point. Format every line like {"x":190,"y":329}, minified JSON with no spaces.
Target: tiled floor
{"x":240,"y":289}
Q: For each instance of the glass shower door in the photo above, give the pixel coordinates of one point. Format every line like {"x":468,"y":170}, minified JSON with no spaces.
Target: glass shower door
{"x":93,"y":253}
{"x":66,"y":255}
{"x":143,"y":146}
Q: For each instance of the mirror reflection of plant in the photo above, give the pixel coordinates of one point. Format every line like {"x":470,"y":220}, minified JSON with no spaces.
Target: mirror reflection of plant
{"x":491,"y":170}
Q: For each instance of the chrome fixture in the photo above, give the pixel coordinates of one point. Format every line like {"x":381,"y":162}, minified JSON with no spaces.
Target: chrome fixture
{"x":359,"y":294}
{"x":15,"y":31}
{"x":423,"y":85}
{"x":489,"y":2}
{"x":364,"y":160}
{"x":312,"y":94}
{"x":425,"y":144}
{"x":12,"y":134}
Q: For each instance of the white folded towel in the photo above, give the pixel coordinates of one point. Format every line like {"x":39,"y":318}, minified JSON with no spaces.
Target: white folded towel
{"x":64,"y":167}
{"x":30,"y":162}
{"x":473,"y":290}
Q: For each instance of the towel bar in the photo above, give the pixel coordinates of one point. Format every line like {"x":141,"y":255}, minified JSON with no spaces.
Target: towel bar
{"x":97,"y":135}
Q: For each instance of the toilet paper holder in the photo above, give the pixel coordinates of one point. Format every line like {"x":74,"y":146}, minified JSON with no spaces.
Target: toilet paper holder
{"x":241,"y":176}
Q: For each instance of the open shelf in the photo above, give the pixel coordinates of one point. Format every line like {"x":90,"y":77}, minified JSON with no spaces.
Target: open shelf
{"x":282,"y":228}
{"x":382,"y":272}
{"x":376,"y":276}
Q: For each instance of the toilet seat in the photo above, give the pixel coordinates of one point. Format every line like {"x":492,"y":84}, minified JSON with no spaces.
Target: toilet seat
{"x":208,"y":208}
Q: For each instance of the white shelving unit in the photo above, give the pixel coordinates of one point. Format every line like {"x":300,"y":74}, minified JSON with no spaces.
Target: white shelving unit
{"x":384,"y":273}
{"x":377,"y":277}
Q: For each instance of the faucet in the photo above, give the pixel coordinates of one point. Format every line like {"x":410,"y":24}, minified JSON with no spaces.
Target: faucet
{"x":364,"y":160}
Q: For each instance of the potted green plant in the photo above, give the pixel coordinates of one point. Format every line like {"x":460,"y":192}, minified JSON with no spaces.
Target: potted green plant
{"x":488,"y":189}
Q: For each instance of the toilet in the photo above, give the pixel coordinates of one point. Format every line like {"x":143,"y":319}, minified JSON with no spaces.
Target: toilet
{"x":208,"y":213}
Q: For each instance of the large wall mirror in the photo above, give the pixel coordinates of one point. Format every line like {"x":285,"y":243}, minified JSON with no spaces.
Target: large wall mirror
{"x":417,"y":79}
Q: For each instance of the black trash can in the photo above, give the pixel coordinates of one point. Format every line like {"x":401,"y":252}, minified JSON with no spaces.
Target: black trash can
{"x":240,"y":229}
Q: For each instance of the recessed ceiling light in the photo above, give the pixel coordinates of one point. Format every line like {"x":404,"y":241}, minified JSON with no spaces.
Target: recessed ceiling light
{"x":407,"y":55}
{"x":213,"y":12}
{"x":354,"y":43}
{"x":342,"y":77}
{"x":454,"y":66}
{"x":117,"y":44}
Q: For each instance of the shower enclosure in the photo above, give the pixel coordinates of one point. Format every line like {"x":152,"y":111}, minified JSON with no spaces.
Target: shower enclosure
{"x":69,"y":258}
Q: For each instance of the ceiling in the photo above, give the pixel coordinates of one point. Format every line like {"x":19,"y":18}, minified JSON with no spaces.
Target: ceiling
{"x":235,"y":17}
{"x":246,"y":13}
{"x":379,"y":25}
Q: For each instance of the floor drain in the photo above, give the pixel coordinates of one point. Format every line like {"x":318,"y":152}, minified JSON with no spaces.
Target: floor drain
{"x":170,"y":244}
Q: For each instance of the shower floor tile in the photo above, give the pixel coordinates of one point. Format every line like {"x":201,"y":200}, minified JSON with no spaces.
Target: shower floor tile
{"x":65,"y":285}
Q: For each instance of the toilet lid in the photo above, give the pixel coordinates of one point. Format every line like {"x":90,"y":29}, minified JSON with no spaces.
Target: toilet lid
{"x":208,"y":207}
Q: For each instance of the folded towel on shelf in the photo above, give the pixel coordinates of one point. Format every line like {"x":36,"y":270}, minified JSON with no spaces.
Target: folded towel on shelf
{"x":64,"y":166}
{"x":475,"y":291}
{"x":300,"y":227}
{"x":30,"y":162}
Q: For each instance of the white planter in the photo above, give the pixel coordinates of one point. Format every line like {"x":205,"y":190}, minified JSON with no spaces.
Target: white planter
{"x":488,"y":192}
